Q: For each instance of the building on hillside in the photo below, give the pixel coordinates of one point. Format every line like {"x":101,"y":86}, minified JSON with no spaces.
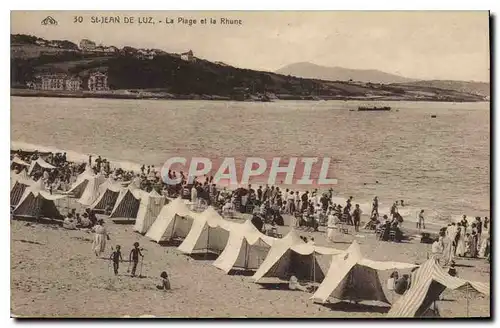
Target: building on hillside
{"x":98,"y":82}
{"x":53,"y":82}
{"x":188,"y":56}
{"x":87,"y":45}
{"x":73,"y":83}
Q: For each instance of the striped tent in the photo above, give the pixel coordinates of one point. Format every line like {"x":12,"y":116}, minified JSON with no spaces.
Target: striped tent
{"x":127,"y":205}
{"x":428,"y":282}
{"x":92,"y":190}
{"x":18,"y":185}
{"x":354,"y":278}
{"x":79,"y":186}
{"x":37,"y":203}
{"x":149,"y":208}
{"x":39,"y":164}
{"x":108,"y":194}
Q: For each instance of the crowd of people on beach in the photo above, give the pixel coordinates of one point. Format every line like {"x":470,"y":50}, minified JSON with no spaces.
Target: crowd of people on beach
{"x":462,"y":239}
{"x":267,"y":205}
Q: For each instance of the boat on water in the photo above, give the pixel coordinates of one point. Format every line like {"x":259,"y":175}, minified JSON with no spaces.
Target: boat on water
{"x":373,"y":109}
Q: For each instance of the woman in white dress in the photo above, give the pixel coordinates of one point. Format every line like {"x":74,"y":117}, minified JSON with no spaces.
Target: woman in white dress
{"x":100,"y":236}
{"x":331,"y":226}
{"x":461,"y":242}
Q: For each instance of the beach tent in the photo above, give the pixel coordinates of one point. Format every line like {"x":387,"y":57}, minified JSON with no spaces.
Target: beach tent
{"x":246,"y":248}
{"x":40,"y":164}
{"x":292,"y":256}
{"x":19,"y":183}
{"x":209,"y":233}
{"x":108,"y":194}
{"x":82,"y":180}
{"x":18,"y":162}
{"x":149,"y":209}
{"x":92,"y":189}
{"x":427,"y":283}
{"x":21,"y":176}
{"x":174,"y":221}
{"x":37,"y":203}
{"x":127,"y":204}
{"x":354,"y":278}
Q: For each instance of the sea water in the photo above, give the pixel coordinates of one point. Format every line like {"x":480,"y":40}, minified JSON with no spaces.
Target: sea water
{"x":441,"y":165}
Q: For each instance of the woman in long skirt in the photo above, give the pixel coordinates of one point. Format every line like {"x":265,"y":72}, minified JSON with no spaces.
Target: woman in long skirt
{"x":461,"y":242}
{"x":447,"y":251}
{"x":100,"y":236}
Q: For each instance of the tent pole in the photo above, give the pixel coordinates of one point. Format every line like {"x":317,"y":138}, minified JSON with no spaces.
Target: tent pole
{"x":467,"y":298}
{"x":314,"y":270}
{"x":208,"y":240}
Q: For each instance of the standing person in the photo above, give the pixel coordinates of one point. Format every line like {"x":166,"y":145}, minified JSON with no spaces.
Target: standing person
{"x":421,"y":221}
{"x":437,"y":248}
{"x":374,"y":207}
{"x":330,"y":228}
{"x":116,"y":257}
{"x":259,"y":194}
{"x":305,"y":201}
{"x":460,"y":250}
{"x":134,"y":257}
{"x":194,"y":194}
{"x":100,"y":236}
{"x":356,"y":217}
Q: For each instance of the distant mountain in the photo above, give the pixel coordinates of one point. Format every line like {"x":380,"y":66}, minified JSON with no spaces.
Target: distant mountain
{"x":313,"y":71}
{"x":472,"y":87}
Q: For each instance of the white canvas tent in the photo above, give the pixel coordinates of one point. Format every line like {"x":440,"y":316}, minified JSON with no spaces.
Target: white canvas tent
{"x":92,"y":190}
{"x":354,"y":278}
{"x":79,"y":186}
{"x":428,"y":282}
{"x":37,"y":203}
{"x":209,"y":233}
{"x":18,"y":161}
{"x":246,"y":248}
{"x":292,"y":256}
{"x":127,"y":205}
{"x":40,"y":164}
{"x":108,"y":194}
{"x":149,"y":209}
{"x":174,"y":221}
{"x":22,"y":176}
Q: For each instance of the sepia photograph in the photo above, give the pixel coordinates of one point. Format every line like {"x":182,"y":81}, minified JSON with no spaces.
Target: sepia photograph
{"x":250,"y":164}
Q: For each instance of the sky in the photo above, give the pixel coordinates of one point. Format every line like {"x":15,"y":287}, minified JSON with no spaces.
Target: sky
{"x":449,"y":45}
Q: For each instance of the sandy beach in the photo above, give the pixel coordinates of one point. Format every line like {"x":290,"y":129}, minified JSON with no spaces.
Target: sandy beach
{"x":55,"y":274}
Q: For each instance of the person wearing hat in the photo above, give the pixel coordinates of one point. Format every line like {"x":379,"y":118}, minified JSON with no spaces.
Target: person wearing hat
{"x":134,"y":257}
{"x":165,"y":283}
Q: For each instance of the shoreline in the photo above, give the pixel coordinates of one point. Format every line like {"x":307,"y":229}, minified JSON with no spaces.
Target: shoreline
{"x":145,"y":95}
{"x":433,"y":217}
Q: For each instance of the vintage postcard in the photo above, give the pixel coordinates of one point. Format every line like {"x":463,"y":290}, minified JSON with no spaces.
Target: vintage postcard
{"x":230,"y":164}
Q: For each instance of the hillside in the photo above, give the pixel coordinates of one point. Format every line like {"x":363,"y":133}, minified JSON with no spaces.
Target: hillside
{"x":167,"y":75}
{"x":478,"y":88}
{"x":313,"y":71}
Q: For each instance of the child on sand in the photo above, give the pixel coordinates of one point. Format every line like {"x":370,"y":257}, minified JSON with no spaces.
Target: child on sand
{"x":134,"y":257}
{"x":116,"y":257}
{"x":165,"y":283}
